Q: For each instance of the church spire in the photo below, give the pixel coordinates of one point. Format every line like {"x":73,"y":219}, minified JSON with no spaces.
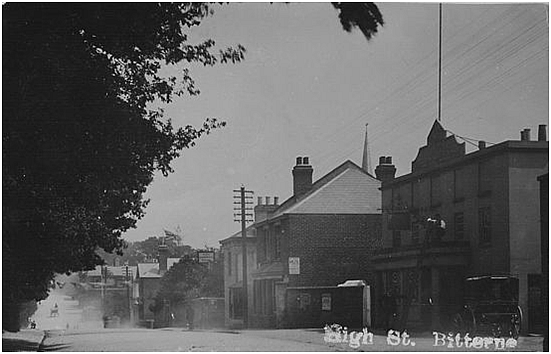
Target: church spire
{"x":366,"y":159}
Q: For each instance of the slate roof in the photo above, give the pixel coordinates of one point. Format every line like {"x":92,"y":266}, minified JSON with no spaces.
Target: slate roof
{"x":114,"y":271}
{"x":148,"y":270}
{"x":237,"y":236}
{"x":347,"y":189}
{"x":151,"y":270}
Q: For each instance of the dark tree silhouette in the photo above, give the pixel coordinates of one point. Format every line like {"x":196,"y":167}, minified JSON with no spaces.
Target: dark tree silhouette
{"x":189,"y":279}
{"x":80,"y":144}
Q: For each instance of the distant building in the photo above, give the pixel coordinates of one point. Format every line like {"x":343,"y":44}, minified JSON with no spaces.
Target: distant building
{"x":488,"y":200}
{"x":108,"y":291}
{"x":232,"y":254}
{"x":321,"y":236}
{"x":149,"y":282}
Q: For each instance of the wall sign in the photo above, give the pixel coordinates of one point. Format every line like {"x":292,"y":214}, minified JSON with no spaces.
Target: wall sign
{"x":205,"y":256}
{"x":294,"y":265}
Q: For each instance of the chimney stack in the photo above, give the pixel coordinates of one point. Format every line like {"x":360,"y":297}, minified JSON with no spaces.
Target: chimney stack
{"x":542,"y":132}
{"x":481,"y":145}
{"x":385,"y":171}
{"x":525,"y":135}
{"x":263,"y":211}
{"x":302,"y":176}
{"x":163,"y":256}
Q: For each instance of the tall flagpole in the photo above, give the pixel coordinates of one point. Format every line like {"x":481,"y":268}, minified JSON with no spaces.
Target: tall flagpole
{"x":440,"y":65}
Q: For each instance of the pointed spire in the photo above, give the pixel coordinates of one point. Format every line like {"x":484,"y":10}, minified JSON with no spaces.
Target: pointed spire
{"x":366,"y":159}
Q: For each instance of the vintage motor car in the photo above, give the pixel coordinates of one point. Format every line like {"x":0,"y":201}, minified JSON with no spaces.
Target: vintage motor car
{"x":490,"y":307}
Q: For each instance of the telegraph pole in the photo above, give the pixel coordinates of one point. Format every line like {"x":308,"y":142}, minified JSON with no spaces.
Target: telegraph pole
{"x":244,"y":200}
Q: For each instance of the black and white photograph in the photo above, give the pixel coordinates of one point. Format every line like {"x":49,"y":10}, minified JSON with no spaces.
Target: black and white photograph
{"x":275,"y":176}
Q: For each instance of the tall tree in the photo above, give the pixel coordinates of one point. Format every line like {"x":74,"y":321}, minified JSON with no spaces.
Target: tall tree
{"x":189,"y":279}
{"x":80,"y":143}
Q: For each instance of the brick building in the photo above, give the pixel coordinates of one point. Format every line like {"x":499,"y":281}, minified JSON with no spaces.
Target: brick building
{"x":321,"y":236}
{"x":232,"y":253}
{"x":488,"y":200}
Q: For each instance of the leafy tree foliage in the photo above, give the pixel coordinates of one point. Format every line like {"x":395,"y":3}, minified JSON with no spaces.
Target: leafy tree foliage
{"x":364,"y":16}
{"x":80,"y":143}
{"x":145,"y":251}
{"x":189,"y":279}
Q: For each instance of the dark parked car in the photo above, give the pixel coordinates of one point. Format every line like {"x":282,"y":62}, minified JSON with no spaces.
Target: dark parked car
{"x":490,"y":307}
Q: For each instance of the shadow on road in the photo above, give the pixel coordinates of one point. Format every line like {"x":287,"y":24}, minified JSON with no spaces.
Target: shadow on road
{"x":18,"y":345}
{"x":53,"y":347}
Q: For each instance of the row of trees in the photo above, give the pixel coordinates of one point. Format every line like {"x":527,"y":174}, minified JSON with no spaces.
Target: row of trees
{"x":80,"y":140}
{"x":144,"y":251}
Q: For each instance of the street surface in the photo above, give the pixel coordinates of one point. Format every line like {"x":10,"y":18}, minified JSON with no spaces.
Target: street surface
{"x":68,"y":332}
{"x":176,"y":339}
{"x":69,"y":314}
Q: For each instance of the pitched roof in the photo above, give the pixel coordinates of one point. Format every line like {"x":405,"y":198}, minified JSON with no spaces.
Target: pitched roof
{"x":346,"y":190}
{"x":148,"y":270}
{"x":119,"y":271}
{"x":237,"y":236}
{"x":151,"y":270}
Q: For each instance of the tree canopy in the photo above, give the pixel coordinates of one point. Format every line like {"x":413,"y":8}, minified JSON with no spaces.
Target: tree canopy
{"x":80,"y":141}
{"x":189,"y":279}
{"x":80,"y":144}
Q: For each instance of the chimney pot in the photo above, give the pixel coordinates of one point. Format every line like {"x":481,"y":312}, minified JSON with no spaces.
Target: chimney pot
{"x":259,"y":201}
{"x":481,"y":145}
{"x":267,"y":200}
{"x":389,"y":160}
{"x":542,"y":132}
{"x":382,"y":160}
{"x":527,"y":134}
{"x":276,"y":200}
{"x":299,"y":160}
{"x":305,"y":160}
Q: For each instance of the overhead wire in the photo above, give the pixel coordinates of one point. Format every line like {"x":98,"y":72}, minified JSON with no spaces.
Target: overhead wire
{"x":406,"y":110}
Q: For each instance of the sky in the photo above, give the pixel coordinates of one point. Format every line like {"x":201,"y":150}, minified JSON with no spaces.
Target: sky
{"x":308,"y":88}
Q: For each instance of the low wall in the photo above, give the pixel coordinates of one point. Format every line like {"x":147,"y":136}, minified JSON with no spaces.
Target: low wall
{"x":314,"y":307}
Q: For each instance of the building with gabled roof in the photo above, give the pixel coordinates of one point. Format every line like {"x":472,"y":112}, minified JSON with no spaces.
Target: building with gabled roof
{"x":321,"y":236}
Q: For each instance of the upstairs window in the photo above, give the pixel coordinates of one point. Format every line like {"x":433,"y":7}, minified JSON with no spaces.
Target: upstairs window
{"x":459,"y":225}
{"x":396,"y":239}
{"x":415,"y":233}
{"x":277,"y":241}
{"x":229,"y":263}
{"x":484,"y":225}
